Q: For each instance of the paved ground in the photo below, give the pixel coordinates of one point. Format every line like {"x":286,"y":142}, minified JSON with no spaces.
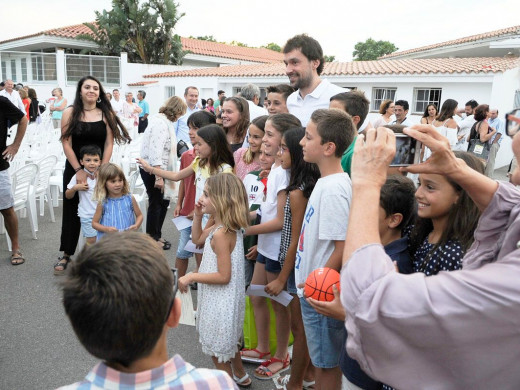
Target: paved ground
{"x":38,"y":349}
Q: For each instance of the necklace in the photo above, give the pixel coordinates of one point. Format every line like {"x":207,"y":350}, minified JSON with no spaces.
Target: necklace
{"x":92,"y":109}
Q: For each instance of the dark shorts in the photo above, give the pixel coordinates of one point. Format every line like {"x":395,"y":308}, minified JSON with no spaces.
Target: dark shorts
{"x":270,"y":264}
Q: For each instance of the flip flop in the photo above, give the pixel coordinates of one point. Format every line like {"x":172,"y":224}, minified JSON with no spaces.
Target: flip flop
{"x":17,"y":258}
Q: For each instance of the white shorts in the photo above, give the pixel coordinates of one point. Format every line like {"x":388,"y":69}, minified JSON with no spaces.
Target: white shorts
{"x":6,"y":195}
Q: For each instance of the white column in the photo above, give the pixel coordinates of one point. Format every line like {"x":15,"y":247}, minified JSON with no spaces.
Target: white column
{"x":60,"y":68}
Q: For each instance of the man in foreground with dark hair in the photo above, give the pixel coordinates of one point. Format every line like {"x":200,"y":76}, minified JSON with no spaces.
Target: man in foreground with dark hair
{"x":120,"y":299}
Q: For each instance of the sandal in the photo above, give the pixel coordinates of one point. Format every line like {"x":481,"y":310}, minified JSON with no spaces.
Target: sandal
{"x":165,"y":244}
{"x":17,"y":258}
{"x":245,"y":381}
{"x":282,"y":381}
{"x":262,"y":356}
{"x":63,"y":262}
{"x":263,"y":372}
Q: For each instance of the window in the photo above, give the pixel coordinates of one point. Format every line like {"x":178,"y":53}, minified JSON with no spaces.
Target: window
{"x":13,"y":71}
{"x":23,"y":63}
{"x":425,"y":96}
{"x":381,"y":94}
{"x":169,"y":92}
{"x":43,"y":67}
{"x":4,"y":71}
{"x":105,"y":69}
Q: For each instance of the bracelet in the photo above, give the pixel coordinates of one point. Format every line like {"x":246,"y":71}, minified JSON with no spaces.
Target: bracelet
{"x":77,"y":169}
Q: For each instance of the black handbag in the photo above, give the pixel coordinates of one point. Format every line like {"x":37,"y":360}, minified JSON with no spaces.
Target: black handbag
{"x":182,"y":147}
{"x":476,"y":146}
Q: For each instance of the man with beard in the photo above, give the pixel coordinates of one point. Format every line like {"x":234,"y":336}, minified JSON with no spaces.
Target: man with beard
{"x":304,"y":62}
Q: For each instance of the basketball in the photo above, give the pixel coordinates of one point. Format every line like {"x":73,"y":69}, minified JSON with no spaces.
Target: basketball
{"x":319,"y":284}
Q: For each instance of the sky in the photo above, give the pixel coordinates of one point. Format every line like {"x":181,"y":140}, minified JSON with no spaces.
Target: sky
{"x":337,"y":24}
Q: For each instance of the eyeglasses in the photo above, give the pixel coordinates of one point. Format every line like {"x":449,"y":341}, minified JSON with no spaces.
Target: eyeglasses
{"x":175,"y":287}
{"x":513,"y":125}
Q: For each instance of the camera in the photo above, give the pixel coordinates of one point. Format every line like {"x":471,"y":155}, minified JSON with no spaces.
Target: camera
{"x":407,"y":151}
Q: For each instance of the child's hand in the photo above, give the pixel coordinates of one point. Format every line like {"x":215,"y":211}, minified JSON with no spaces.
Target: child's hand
{"x":143,"y":164}
{"x":177,"y":210}
{"x":81,"y":187}
{"x":183,"y":283}
{"x":333,"y":309}
{"x":198,"y":209}
{"x":110,"y":229}
{"x":133,"y":227}
{"x":274,"y":288}
{"x":190,"y":216}
{"x":252,"y":253}
{"x":264,"y":173}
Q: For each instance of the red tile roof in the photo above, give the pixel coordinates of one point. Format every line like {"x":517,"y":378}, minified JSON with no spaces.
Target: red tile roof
{"x":142,"y":83}
{"x":380,"y":67}
{"x":515,"y":30}
{"x":195,"y":46}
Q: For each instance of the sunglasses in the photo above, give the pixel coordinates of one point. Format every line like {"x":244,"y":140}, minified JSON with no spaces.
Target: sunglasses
{"x":512,"y":125}
{"x":175,"y":287}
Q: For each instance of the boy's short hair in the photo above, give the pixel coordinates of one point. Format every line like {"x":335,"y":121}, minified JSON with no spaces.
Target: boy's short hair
{"x":284,"y":89}
{"x":334,"y":126}
{"x":398,"y":196}
{"x":90,"y":150}
{"x":355,"y":103}
{"x":117,"y":296}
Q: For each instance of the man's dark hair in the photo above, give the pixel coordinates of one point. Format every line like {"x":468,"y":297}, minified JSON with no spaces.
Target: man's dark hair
{"x":220,"y":92}
{"x":90,"y":150}
{"x":115,"y":89}
{"x":188,"y":89}
{"x":472,"y":103}
{"x":201,"y":118}
{"x":284,"y":89}
{"x":309,"y":47}
{"x":355,"y":104}
{"x":143,"y":93}
{"x":402,"y":103}
{"x":2,"y":84}
{"x":334,"y":126}
{"x":398,"y":196}
{"x":117,"y":296}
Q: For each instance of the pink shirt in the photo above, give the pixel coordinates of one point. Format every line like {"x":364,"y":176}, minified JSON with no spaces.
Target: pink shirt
{"x":241,"y":168}
{"x":453,"y":330}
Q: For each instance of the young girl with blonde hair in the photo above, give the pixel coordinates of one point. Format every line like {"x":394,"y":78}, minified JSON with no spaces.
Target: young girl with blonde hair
{"x":221,"y":292}
{"x":117,"y":209}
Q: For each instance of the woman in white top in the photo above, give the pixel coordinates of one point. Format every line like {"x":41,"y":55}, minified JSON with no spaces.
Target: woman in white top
{"x":445,"y":124}
{"x":158,"y":148}
{"x":130,"y":109}
{"x":386,"y":109}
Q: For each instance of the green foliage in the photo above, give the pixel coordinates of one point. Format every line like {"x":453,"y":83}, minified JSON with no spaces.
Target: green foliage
{"x":236,"y":43}
{"x":372,"y":50}
{"x":273,"y":46}
{"x":209,"y":38}
{"x":329,"y":58}
{"x":144,"y":31}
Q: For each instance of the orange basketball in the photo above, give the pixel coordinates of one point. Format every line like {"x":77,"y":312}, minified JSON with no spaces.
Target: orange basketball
{"x":319,"y":284}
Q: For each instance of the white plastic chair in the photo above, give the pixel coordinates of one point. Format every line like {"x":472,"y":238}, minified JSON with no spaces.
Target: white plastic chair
{"x":42,"y":188}
{"x":22,"y":180}
{"x":141,"y":197}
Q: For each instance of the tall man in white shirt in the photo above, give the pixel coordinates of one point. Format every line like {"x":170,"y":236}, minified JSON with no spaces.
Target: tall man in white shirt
{"x":12,"y":95}
{"x":117,"y":102}
{"x":304,"y":62}
{"x":401,"y":113}
{"x":496,"y":123}
{"x":191,"y":95}
{"x":251,"y":93}
{"x":465,"y":125}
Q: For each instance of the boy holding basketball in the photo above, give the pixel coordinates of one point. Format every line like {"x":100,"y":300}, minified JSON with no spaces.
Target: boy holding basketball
{"x":327,"y":136}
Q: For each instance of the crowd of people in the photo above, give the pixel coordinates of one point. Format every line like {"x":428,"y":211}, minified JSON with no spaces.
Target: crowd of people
{"x":273,"y":194}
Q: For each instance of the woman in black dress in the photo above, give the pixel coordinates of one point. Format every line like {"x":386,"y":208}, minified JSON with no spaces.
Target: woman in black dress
{"x":89,"y":121}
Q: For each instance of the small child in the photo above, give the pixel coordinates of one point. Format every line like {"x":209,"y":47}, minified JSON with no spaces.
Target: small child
{"x":117,"y":209}
{"x":187,"y":191}
{"x":221,"y":294}
{"x":248,"y":159}
{"x":126,"y":324}
{"x":322,"y":237}
{"x":90,"y":159}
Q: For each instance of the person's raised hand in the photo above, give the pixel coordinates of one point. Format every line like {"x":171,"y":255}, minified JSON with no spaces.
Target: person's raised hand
{"x":372,"y":156}
{"x":442,"y":160}
{"x":143,"y":164}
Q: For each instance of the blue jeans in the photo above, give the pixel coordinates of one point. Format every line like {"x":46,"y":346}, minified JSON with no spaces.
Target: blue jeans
{"x":184,"y":237}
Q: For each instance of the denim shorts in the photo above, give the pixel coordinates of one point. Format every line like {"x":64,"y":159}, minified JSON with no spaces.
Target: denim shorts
{"x":184,"y":237}
{"x":325,"y":337}
{"x":291,"y":284}
{"x":86,"y":227}
{"x":270,"y":264}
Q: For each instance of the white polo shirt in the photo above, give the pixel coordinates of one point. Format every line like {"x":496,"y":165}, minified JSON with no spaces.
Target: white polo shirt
{"x":302,"y":108}
{"x":14,"y":97}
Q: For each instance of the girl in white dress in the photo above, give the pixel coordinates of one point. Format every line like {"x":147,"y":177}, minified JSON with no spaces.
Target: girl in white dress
{"x":221,"y":293}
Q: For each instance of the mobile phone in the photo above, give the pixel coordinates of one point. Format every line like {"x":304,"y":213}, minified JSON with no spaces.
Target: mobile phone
{"x":407,"y":151}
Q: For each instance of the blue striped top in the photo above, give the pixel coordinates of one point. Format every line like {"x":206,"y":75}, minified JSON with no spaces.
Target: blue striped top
{"x":117,"y":212}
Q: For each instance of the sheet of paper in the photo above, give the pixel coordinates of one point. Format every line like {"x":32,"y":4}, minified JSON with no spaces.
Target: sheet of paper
{"x":284,"y":298}
{"x":191,"y":247}
{"x":182,"y":222}
{"x":187,"y":313}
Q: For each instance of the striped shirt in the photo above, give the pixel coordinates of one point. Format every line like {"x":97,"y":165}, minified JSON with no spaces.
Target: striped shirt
{"x":174,"y":374}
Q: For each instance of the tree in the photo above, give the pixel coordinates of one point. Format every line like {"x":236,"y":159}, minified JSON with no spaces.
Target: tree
{"x":273,"y":46}
{"x":236,"y":43}
{"x":209,"y":38}
{"x":372,"y":50}
{"x":144,"y":31}
{"x":329,"y":58}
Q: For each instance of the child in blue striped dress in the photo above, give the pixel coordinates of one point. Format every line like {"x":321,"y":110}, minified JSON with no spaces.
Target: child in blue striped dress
{"x":117,"y":209}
